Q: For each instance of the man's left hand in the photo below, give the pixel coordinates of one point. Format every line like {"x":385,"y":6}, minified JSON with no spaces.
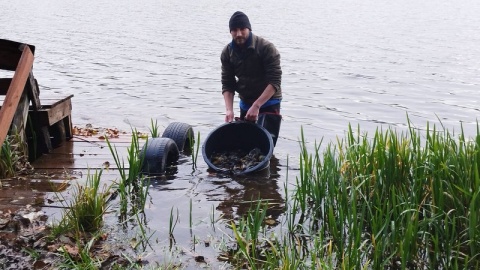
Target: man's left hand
{"x":252,"y":113}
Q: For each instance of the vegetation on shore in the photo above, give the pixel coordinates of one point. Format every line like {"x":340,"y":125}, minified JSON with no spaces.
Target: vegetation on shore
{"x":393,"y":200}
{"x":14,"y":157}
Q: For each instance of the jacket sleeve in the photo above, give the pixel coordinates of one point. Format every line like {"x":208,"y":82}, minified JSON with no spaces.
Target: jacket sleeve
{"x":228,"y":74}
{"x":271,"y":62}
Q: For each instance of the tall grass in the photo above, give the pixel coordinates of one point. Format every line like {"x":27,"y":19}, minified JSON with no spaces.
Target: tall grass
{"x":394,"y":200}
{"x":6,"y":160}
{"x":195,"y":149}
{"x":407,"y":200}
{"x":14,"y":156}
{"x":132,"y":186}
{"x":85,"y":211}
{"x":154,"y":129}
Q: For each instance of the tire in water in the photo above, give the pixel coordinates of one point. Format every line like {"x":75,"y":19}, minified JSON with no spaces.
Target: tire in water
{"x":182,"y":134}
{"x":158,"y":154}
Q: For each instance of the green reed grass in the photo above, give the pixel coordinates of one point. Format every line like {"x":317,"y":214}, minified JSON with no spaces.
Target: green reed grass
{"x":154,"y":129}
{"x":393,"y":200}
{"x":85,"y":212}
{"x":195,"y":149}
{"x":132,"y":186}
{"x":173,"y":221}
{"x":13,"y":156}
{"x":83,"y":260}
{"x":249,"y":234}
{"x":6,"y":160}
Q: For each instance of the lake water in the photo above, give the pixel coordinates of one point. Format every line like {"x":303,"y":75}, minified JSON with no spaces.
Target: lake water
{"x":367,"y":63}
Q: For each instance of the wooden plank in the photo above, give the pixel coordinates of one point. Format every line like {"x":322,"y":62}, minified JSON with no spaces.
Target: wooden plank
{"x":59,"y":111}
{"x":52,"y":101}
{"x":67,"y":122}
{"x":19,"y":121}
{"x":33,"y":92}
{"x":46,"y":101}
{"x":50,"y":116}
{"x":75,"y":161}
{"x":15,"y":91}
{"x":82,"y":147}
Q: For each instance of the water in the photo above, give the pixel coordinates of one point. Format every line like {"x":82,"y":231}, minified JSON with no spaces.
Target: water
{"x":361,"y":62}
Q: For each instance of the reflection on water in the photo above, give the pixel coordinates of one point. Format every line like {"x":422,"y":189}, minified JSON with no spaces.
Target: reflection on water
{"x":245,"y":191}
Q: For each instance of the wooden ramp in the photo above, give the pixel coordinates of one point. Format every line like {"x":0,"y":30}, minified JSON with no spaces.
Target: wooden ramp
{"x":42,"y":125}
{"x":72,"y":160}
{"x":82,"y":153}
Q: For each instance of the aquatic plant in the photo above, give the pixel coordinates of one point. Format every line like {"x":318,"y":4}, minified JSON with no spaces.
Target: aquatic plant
{"x":249,"y":234}
{"x":83,"y":258}
{"x":6,"y":160}
{"x":154,"y":129}
{"x":195,"y":149}
{"x":14,"y":156}
{"x":391,"y":201}
{"x":131,"y":186}
{"x":85,"y":211}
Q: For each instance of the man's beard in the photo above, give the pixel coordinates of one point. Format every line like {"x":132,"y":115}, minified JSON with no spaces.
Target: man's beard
{"x":240,"y":41}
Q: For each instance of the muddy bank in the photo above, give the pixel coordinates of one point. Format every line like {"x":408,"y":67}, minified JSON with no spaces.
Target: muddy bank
{"x":26,"y":243}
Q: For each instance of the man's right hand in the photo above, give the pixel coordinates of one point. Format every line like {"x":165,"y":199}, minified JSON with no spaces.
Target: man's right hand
{"x":229,"y":116}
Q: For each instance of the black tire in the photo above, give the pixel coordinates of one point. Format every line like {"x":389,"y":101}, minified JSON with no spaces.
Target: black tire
{"x":157,"y":154}
{"x":182,"y":134}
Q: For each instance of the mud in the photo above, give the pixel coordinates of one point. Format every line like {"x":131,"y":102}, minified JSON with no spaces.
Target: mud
{"x":26,"y":243}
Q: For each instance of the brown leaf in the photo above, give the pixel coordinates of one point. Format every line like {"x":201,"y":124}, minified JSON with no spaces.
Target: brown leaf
{"x":72,"y":250}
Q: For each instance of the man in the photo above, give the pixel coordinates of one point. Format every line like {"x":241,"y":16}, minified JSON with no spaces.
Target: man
{"x":250,"y":67}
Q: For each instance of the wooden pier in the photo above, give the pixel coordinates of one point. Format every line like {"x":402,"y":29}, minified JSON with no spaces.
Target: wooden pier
{"x":43,"y":122}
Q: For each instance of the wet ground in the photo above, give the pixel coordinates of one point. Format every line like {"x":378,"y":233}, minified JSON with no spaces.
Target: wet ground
{"x":28,"y":203}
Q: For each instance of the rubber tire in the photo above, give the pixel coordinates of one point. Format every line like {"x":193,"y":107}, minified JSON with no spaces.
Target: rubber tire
{"x":182,"y":134}
{"x":157,"y":154}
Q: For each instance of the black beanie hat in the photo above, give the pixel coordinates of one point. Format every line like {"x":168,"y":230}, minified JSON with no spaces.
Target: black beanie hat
{"x":239,"y":20}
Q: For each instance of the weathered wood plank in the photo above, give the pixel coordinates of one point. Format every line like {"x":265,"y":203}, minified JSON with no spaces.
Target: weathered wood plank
{"x":59,"y":111}
{"x":31,"y":86}
{"x":50,"y":116}
{"x":47,"y":101}
{"x":15,"y":91}
{"x":33,"y":92}
{"x":19,"y":121}
{"x":69,"y":161}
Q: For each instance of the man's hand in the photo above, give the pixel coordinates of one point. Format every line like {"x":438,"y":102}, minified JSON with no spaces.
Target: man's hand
{"x":229,"y":116}
{"x":228,"y":97}
{"x":252,"y":113}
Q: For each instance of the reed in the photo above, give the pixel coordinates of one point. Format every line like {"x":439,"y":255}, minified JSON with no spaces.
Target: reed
{"x":82,"y":260}
{"x":85,"y":211}
{"x":14,"y":156}
{"x":6,"y":160}
{"x":132,"y":186}
{"x":173,"y":221}
{"x":195,"y":149}
{"x":250,"y":236}
{"x":154,"y":129}
{"x":393,"y":200}
{"x":190,"y":218}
